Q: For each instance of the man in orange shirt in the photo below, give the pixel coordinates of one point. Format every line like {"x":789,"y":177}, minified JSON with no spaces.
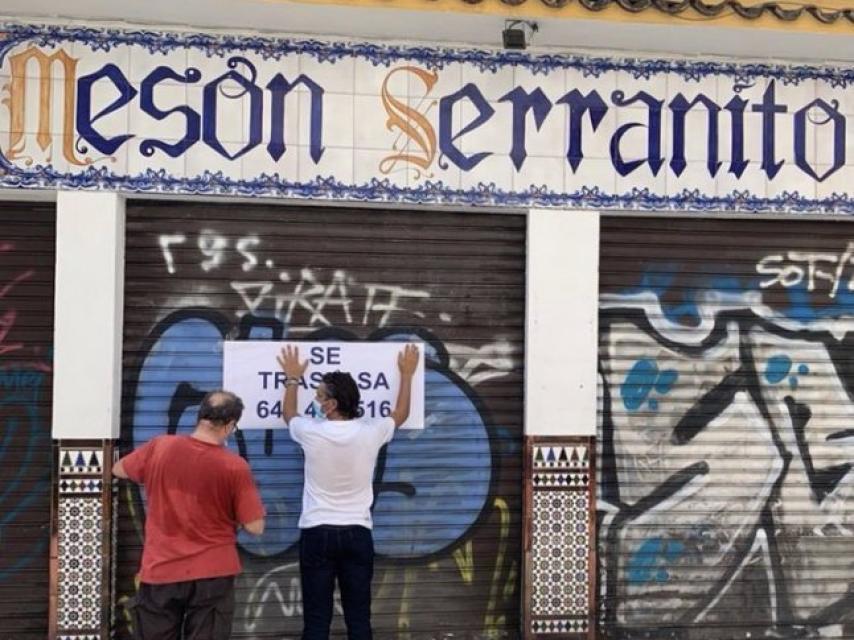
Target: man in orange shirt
{"x":198,"y":495}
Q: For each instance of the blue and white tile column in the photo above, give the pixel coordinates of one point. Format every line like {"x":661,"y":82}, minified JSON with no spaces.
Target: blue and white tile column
{"x":81,"y":543}
{"x":560,"y":424}
{"x":86,"y":410}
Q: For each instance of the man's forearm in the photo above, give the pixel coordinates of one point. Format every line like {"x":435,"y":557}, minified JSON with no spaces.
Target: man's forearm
{"x":119,"y":470}
{"x":401,"y":408}
{"x":289,"y":408}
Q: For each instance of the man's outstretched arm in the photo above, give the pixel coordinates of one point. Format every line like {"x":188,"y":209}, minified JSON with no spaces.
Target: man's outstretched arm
{"x":407,"y":363}
{"x":294,"y":370}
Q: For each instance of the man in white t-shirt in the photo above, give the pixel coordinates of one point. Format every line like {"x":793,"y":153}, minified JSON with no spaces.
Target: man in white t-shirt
{"x":340,"y":455}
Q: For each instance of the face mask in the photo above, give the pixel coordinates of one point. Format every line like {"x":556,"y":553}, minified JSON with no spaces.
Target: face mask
{"x":318,"y":409}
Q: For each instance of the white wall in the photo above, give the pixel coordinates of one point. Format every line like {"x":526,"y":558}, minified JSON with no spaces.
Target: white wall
{"x":88,"y":315}
{"x":561,"y":323}
{"x":477,"y":28}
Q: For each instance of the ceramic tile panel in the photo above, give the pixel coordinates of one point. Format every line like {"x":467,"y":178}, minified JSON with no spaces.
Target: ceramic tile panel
{"x":559,"y":565}
{"x":80,"y":568}
{"x":246,"y":98}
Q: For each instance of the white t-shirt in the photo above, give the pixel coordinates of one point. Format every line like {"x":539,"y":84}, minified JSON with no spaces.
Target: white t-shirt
{"x":340,"y":456}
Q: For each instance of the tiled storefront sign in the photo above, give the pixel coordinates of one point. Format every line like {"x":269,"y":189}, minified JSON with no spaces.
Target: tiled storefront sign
{"x":194,"y":113}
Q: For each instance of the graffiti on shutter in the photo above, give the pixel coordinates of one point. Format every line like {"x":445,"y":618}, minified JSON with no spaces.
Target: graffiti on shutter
{"x":726,"y":434}
{"x":446,"y":513}
{"x":26,"y":332}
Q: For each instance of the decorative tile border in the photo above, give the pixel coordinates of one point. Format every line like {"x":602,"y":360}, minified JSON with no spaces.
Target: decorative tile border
{"x":82,"y":564}
{"x":81,"y":461}
{"x":559,"y":538}
{"x":431,"y":192}
{"x":84,"y":486}
{"x":270,"y":48}
{"x":560,"y":626}
{"x":559,"y":480}
{"x":560,"y":457}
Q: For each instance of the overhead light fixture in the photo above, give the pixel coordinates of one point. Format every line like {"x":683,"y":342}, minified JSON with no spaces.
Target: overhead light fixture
{"x":514,"y":35}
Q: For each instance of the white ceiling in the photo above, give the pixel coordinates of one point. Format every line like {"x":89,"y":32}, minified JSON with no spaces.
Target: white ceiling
{"x":281,"y":16}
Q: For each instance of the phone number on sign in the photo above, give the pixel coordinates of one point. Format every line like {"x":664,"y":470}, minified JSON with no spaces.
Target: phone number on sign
{"x":370,"y":409}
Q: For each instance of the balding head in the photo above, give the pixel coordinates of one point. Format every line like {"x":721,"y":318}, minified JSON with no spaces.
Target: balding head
{"x":220,"y":408}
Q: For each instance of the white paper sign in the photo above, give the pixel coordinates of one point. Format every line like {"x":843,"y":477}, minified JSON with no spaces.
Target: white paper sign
{"x":251,"y":371}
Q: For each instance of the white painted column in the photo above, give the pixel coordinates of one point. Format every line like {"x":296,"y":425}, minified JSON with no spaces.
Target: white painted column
{"x":561,"y":335}
{"x":88,"y":315}
{"x":561,"y":323}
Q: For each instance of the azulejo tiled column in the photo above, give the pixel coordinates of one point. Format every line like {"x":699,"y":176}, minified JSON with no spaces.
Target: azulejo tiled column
{"x":561,"y":348}
{"x":83,"y":535}
{"x":86,"y":411}
{"x":560,"y":538}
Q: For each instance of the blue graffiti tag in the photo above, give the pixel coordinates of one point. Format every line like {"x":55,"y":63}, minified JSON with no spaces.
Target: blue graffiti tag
{"x":680,"y":299}
{"x":652,"y":559}
{"x":639,"y":383}
{"x":666,"y":380}
{"x":777,"y":368}
{"x":780,"y":366}
{"x":435,"y":482}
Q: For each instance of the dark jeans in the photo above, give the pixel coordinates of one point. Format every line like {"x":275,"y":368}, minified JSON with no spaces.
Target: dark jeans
{"x":194,"y":610}
{"x":346,"y":553}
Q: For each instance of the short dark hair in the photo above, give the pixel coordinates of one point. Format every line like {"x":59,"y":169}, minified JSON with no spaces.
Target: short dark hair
{"x":341,"y":386}
{"x":220,"y":407}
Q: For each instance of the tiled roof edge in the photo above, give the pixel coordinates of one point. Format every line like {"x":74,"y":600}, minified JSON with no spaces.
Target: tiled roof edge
{"x":707,"y":9}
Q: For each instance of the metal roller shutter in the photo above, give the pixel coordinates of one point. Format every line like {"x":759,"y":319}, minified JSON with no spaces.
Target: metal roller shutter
{"x":447,"y":517}
{"x":27,"y":238}
{"x":726,"y":436}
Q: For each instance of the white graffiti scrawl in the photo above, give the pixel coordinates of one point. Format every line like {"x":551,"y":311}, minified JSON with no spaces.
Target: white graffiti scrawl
{"x":302,"y":299}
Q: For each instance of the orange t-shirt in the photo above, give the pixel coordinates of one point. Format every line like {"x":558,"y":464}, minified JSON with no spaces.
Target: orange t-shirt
{"x":197,"y":493}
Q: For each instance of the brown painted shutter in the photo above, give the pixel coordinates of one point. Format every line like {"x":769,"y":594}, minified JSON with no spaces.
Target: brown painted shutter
{"x":726,"y":439}
{"x":447,"y":517}
{"x":27,"y":238}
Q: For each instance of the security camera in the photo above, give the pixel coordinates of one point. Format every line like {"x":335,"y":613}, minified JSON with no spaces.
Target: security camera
{"x":514,"y":36}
